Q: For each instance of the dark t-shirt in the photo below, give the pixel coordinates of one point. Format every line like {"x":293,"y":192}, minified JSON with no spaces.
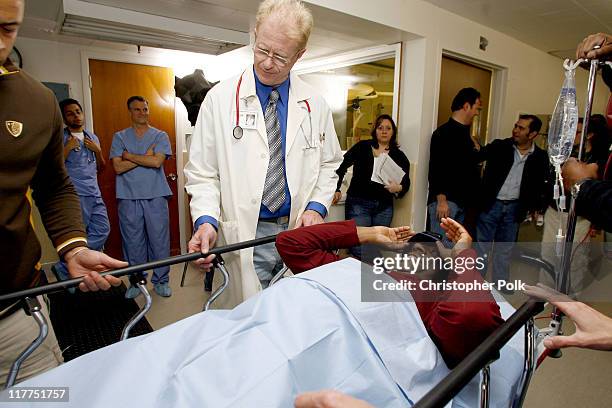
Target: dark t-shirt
{"x":454,"y":168}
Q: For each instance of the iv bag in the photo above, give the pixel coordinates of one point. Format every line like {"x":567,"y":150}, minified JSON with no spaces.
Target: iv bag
{"x":564,"y":122}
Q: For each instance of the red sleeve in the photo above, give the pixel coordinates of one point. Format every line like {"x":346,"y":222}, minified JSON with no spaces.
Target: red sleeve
{"x":457,"y":321}
{"x":308,"y":247}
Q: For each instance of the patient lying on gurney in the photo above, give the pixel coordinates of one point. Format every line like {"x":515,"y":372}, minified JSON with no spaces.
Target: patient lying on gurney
{"x":305,"y":333}
{"x":447,"y":315}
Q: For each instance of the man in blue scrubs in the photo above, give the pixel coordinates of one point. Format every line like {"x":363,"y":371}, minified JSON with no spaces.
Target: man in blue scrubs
{"x":138,"y":155}
{"x":83,"y":159}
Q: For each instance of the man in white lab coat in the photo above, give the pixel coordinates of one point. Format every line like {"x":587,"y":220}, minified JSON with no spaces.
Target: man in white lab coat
{"x":248,"y":180}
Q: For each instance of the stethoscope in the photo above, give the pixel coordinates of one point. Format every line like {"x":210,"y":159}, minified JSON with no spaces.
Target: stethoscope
{"x":238,"y":132}
{"x":90,"y":157}
{"x":310,"y":144}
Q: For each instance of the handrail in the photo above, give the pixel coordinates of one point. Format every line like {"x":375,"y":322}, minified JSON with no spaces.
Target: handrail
{"x":454,"y":382}
{"x":45,"y":289}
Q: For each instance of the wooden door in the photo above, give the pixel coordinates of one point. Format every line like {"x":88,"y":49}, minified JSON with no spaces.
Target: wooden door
{"x":112,"y":84}
{"x":454,"y":76}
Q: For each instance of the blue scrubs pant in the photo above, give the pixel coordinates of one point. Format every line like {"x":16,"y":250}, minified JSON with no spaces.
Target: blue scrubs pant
{"x":145,"y":233}
{"x":96,"y":224}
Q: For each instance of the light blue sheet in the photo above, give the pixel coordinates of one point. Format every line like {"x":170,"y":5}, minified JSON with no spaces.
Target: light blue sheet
{"x":305,"y":333}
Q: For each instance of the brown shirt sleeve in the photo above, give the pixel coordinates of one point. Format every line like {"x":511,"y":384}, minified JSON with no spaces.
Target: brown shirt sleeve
{"x":55,"y":195}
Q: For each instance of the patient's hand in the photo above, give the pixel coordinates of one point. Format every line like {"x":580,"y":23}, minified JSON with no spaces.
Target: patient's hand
{"x":385,"y":236}
{"x":457,"y":234}
{"x":328,"y":399}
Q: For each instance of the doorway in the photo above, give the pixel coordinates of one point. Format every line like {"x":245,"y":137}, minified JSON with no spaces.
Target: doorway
{"x":112,"y":83}
{"x":457,"y":74}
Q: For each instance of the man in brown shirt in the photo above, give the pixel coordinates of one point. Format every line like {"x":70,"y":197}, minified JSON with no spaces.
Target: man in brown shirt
{"x":31,"y":159}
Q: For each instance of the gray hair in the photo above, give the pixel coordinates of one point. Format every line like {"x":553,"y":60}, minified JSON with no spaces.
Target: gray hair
{"x":299,"y":18}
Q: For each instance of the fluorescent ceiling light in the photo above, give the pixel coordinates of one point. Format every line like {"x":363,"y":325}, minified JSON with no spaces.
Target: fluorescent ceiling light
{"x":100,"y":22}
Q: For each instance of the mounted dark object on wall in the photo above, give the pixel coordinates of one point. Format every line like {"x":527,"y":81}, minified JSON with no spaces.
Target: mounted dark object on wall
{"x":192,"y":89}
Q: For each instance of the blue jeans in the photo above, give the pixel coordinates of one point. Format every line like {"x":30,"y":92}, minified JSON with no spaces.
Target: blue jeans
{"x":456,"y":213}
{"x":266,"y":260}
{"x":367,"y":213}
{"x":498,"y":225}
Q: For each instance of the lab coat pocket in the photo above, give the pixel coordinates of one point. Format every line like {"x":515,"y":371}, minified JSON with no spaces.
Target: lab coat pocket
{"x":311,"y":162}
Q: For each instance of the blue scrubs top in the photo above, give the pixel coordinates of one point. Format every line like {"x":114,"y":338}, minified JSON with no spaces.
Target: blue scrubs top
{"x":82,"y":167}
{"x":141,"y":183}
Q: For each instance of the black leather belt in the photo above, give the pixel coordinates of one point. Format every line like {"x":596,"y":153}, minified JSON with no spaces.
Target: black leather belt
{"x":277,"y":220}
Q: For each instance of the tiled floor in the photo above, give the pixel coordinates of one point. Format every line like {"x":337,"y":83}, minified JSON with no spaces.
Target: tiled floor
{"x":580,"y":378}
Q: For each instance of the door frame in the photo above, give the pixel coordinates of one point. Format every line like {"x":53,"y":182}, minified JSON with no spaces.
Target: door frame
{"x":359,"y":56}
{"x":121,"y":56}
{"x":499,"y":75}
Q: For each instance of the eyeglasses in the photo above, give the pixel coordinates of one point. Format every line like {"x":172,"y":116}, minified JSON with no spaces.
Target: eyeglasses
{"x":278,"y":60}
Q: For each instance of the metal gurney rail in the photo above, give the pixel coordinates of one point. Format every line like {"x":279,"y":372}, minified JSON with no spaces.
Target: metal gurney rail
{"x":33,"y":308}
{"x":487,"y":352}
{"x":52,"y":287}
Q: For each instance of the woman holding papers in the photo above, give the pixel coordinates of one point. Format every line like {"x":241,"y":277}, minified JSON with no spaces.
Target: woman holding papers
{"x":380,"y":173}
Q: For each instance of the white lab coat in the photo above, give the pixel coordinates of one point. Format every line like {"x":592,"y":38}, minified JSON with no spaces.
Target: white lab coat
{"x":225,"y":176}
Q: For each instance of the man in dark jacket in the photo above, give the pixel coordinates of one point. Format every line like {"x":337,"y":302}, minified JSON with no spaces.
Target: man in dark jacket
{"x":514,"y":183}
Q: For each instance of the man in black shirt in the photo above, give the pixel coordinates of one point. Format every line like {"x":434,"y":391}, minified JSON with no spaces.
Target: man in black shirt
{"x":454,"y":172}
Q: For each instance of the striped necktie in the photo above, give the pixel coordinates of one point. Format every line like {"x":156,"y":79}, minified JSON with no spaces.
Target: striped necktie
{"x":274,"y":188}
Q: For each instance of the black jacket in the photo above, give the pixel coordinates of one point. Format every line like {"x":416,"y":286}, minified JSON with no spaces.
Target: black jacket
{"x":360,"y":156}
{"x":535,"y":183}
{"x":594,"y":202}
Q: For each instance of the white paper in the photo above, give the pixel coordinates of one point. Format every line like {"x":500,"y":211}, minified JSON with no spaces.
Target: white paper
{"x":388,"y":171}
{"x":376,"y":169}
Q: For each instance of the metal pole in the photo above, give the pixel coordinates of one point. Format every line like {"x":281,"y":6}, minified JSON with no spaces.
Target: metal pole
{"x":221,"y":265}
{"x":529,"y":364}
{"x":485,"y":384}
{"x":33,"y":309}
{"x":43,"y":290}
{"x":563,"y":282}
{"x":279,"y":275}
{"x":589,"y":102}
{"x":135,"y":319}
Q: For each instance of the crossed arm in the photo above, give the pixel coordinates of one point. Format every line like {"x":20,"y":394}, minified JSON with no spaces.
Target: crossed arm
{"x":129,"y":161}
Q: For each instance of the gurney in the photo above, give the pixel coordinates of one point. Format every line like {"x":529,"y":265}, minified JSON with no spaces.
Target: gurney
{"x":211,"y":337}
{"x":306,"y":333}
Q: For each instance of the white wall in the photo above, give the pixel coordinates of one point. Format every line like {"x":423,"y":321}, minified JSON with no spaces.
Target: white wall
{"x":531,"y":81}
{"x":52,"y":61}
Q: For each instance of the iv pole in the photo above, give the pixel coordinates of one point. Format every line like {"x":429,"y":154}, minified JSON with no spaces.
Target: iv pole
{"x":563,"y":275}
